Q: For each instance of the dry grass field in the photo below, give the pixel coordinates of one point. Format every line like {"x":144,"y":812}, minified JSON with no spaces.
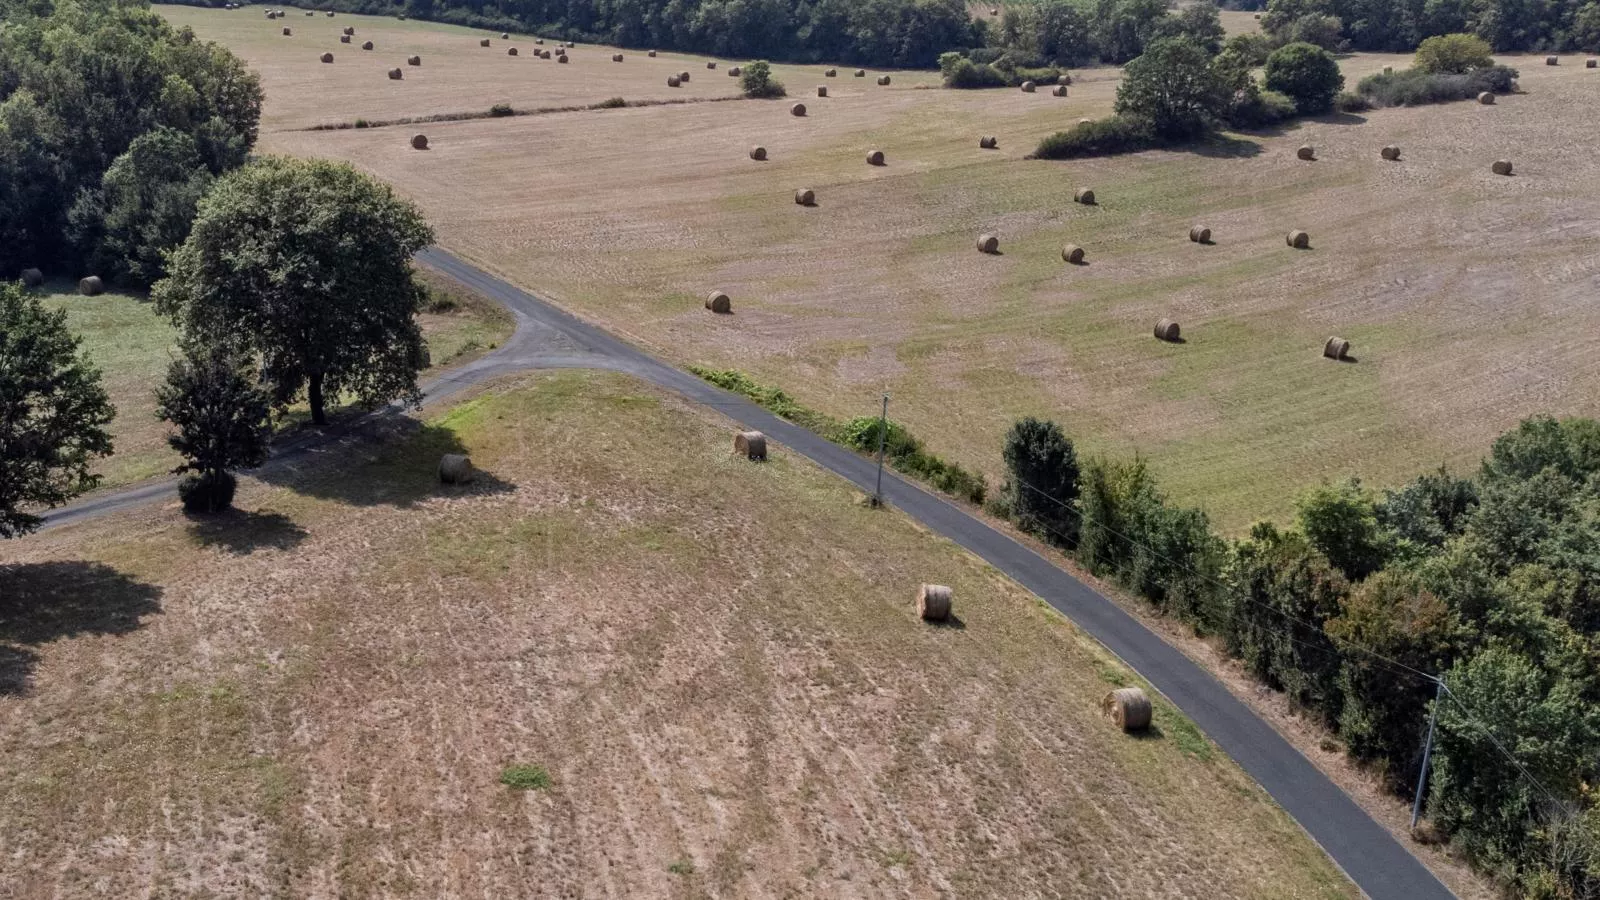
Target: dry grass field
{"x":716,"y":663}
{"x":1466,"y":295}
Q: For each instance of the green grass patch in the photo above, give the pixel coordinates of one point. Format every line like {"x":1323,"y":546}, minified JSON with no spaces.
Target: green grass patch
{"x":1186,"y":735}
{"x":526,"y":778}
{"x":684,"y":866}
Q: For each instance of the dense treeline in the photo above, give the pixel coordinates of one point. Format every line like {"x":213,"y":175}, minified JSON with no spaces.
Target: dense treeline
{"x":111,"y":125}
{"x":1400,"y":25}
{"x":1491,"y":582}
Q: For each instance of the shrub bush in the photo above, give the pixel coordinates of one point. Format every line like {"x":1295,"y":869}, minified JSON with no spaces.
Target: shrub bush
{"x":1412,"y":87}
{"x":964,"y":73}
{"x":1307,"y":74}
{"x":1041,"y":487}
{"x":1003,"y":70}
{"x":613,"y":103}
{"x":906,"y":454}
{"x":757,"y":81}
{"x":1101,"y":137}
{"x":1260,"y":109}
{"x":1453,"y":54}
{"x":1348,"y":102}
{"x":209,"y":493}
{"x":501,"y":110}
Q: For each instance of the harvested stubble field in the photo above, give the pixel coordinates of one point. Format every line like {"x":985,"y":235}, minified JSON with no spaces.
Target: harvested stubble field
{"x":1465,"y":295}
{"x":716,"y":662}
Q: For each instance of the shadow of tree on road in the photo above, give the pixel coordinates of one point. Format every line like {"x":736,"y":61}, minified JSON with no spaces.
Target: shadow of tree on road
{"x":44,"y":602}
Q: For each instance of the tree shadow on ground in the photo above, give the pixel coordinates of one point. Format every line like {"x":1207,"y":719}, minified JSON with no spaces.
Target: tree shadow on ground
{"x":1220,"y":146}
{"x":43,"y":602}
{"x":242,"y":533}
{"x":386,"y":461}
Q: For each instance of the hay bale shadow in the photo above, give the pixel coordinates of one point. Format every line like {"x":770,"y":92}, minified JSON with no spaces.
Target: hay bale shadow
{"x":952,"y":622}
{"x":387,"y":461}
{"x":1347,"y":358}
{"x":44,"y":602}
{"x":243,"y":533}
{"x":1152,"y":733}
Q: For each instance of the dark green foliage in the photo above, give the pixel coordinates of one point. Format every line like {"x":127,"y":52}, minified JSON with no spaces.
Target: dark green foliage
{"x":1348,"y":102}
{"x":1341,"y":522}
{"x":1305,"y":73}
{"x":1197,"y":21}
{"x":960,"y":71}
{"x":526,"y":778}
{"x":1101,"y":137}
{"x":1507,"y":25}
{"x":1410,"y":87}
{"x":1453,"y":54}
{"x":1427,"y":512}
{"x":78,"y":84}
{"x":499,"y":111}
{"x":208,"y":493}
{"x":757,"y":81}
{"x":1569,"y":446}
{"x":773,"y":400}
{"x":906,"y":454}
{"x":307,"y":264}
{"x":1284,"y":593}
{"x":1041,"y":487}
{"x":611,"y":103}
{"x":213,"y":397}
{"x":1261,"y":109}
{"x":1253,"y":48}
{"x":53,"y":411}
{"x":1173,"y":87}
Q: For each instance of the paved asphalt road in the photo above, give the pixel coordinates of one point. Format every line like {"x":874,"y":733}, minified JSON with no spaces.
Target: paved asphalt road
{"x":549,"y":338}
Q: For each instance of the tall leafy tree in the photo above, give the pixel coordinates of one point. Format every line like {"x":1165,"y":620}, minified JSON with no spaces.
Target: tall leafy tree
{"x":143,"y":207}
{"x":1042,"y":480}
{"x":214,"y":400}
{"x":53,"y":411}
{"x":1172,"y":86}
{"x":308,"y":264}
{"x":1307,"y":74}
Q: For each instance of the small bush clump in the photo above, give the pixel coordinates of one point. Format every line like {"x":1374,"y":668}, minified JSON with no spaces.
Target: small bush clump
{"x":991,"y":70}
{"x":1414,"y":87}
{"x":1101,"y":137}
{"x":1262,"y":108}
{"x":906,"y":454}
{"x":757,"y":81}
{"x":526,"y":778}
{"x":613,"y":103}
{"x":501,"y":110}
{"x":361,"y":123}
{"x":1350,"y":102}
{"x":208,"y":493}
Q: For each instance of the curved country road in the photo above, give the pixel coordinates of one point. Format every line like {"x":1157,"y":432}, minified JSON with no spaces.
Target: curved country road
{"x":547,"y":337}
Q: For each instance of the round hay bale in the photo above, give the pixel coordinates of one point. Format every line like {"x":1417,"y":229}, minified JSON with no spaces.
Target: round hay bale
{"x":419,"y":142}
{"x":1059,"y":90}
{"x":396,"y":74}
{"x":1591,"y":63}
{"x":413,"y":60}
{"x":1072,"y":253}
{"x":542,"y":54}
{"x":1306,"y":152}
{"x":32,"y":278}
{"x":1083,"y":195}
{"x":751,"y":445}
{"x":988,"y":243}
{"x":562,"y":58}
{"x":1390,"y":152}
{"x":483,"y":42}
{"x":330,"y":13}
{"x":683,"y":77}
{"x":988,"y":143}
{"x":367,"y":45}
{"x":1501,"y":167}
{"x":1299,"y":240}
{"x":861,"y":73}
{"x":271,"y":15}
{"x":875,"y":158}
{"x":718,"y":302}
{"x":651,"y":54}
{"x":327,"y":57}
{"x":994,"y":10}
{"x":1486,"y":98}
{"x":831,"y":73}
{"x":1336,"y":348}
{"x":883,"y":80}
{"x":572,"y":45}
{"x":758,"y":153}
{"x":1129,"y":708}
{"x":799,"y":109}
{"x":933,"y":602}
{"x":1552,"y":61}
{"x":350,"y":29}
{"x":456,"y":468}
{"x":735,"y":71}
{"x":511,"y":51}
{"x":672,"y":81}
{"x":822,"y":90}
{"x":805,"y":197}
{"x":505,"y":35}
{"x":1028,"y":87}
{"x":1167,"y":330}
{"x":401,"y":17}
{"x":344,"y":38}
{"x":1200,"y":234}
{"x":1084,"y":121}
{"x":310,"y":13}
{"x":710,"y":64}
{"x":616,"y":57}
{"x":538,"y":41}
{"x":1388,"y":70}
{"x":287,"y":31}
{"x":91,"y":286}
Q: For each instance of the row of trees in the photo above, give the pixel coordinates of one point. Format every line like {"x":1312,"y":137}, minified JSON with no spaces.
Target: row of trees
{"x":1400,"y":25}
{"x":1491,"y":582}
{"x":112,"y":125}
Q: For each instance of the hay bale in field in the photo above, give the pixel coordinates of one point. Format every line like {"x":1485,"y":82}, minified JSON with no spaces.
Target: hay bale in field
{"x":310,"y":13}
{"x":419,"y":142}
{"x":396,"y":74}
{"x":401,"y":17}
{"x":711,"y":65}
{"x":91,"y":286}
{"x":758,"y":153}
{"x":1028,"y":87}
{"x":1059,"y":90}
{"x":1084,"y":121}
{"x":1072,"y":253}
{"x":1388,"y":70}
{"x":1591,"y":63}
{"x":1129,"y":708}
{"x":538,"y":42}
{"x":271,"y":15}
{"x":330,"y":13}
{"x":718,"y":302}
{"x":1552,"y":61}
{"x":805,"y":197}
{"x":483,"y":42}
{"x":505,"y":35}
{"x":1486,"y":98}
{"x":562,"y":58}
{"x":751,"y":445}
{"x":799,"y":109}
{"x":683,"y":77}
{"x":350,"y":29}
{"x":572,"y":45}
{"x":1336,"y":348}
{"x":1299,"y":240}
{"x":542,"y":54}
{"x":651,"y":54}
{"x":883,"y":80}
{"x":1306,"y":152}
{"x":735,"y":71}
{"x":831,"y":73}
{"x":511,"y":51}
{"x":1200,"y":234}
{"x":672,"y":81}
{"x":327,"y":57}
{"x":933,"y":602}
{"x":1390,"y":152}
{"x":988,"y":243}
{"x":1167,"y":330}
{"x":1083,"y":195}
{"x":875,"y":158}
{"x":861,"y":73}
{"x":616,"y":57}
{"x":822,"y":90}
{"x":988,"y":143}
{"x":344,"y":38}
{"x":1501,"y":167}
{"x":32,"y":278}
{"x":456,"y":468}
{"x":413,"y":60}
{"x":366,"y":45}
{"x":288,"y":32}
{"x":994,"y":10}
